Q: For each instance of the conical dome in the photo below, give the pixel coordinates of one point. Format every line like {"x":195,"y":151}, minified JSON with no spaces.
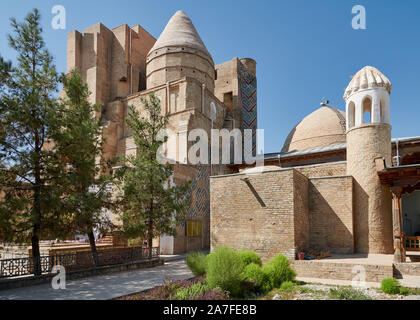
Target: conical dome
{"x":367,"y":78}
{"x":179,"y":53}
{"x":180,"y":32}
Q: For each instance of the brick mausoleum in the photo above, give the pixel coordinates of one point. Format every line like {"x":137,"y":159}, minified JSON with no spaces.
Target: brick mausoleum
{"x":331,"y":188}
{"x":340,"y":185}
{"x":124,"y":64}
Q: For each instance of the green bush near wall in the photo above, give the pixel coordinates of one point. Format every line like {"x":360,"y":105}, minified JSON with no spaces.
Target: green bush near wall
{"x":249,"y":257}
{"x":196,"y":262}
{"x":278,"y":270}
{"x":225,"y":270}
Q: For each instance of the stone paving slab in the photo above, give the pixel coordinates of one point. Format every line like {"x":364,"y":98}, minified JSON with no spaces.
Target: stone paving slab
{"x":103,"y":287}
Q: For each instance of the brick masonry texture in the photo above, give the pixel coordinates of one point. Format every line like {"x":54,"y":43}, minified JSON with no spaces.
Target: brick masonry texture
{"x":373,"y":212}
{"x":299,"y":214}
{"x":324,"y":170}
{"x":331,"y":214}
{"x":239,"y":220}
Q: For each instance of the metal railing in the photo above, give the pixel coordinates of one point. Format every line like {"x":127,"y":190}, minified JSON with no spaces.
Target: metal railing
{"x":74,"y":261}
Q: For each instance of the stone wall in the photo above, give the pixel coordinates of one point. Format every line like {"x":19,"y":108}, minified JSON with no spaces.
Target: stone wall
{"x":406,"y":269}
{"x":259,"y":214}
{"x":331,"y":214}
{"x":12,"y":251}
{"x":340,"y":271}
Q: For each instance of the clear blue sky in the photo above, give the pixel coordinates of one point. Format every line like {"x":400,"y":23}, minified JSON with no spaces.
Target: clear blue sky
{"x":305,"y":49}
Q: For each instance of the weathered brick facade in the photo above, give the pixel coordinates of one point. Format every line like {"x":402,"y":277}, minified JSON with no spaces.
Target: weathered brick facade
{"x":259,"y":214}
{"x":294,"y":212}
{"x":323,"y":170}
{"x":331,"y":214}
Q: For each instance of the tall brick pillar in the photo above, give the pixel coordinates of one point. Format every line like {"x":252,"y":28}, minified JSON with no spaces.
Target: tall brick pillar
{"x":368,"y":137}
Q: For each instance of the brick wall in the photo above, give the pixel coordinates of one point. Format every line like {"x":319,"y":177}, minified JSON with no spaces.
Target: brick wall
{"x":240,"y":220}
{"x":324,"y":170}
{"x":331,"y":214}
{"x":301,"y":206}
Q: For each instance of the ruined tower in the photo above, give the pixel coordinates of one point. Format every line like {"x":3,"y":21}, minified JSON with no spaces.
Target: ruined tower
{"x":368,"y":137}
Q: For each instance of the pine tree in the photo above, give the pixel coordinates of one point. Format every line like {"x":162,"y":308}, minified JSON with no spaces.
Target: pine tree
{"x":5,"y":67}
{"x":78,"y":139}
{"x":150,"y":205}
{"x":29,"y":204}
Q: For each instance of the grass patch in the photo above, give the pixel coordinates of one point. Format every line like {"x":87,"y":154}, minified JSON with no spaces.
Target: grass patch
{"x":347,"y":294}
{"x":196,"y":262}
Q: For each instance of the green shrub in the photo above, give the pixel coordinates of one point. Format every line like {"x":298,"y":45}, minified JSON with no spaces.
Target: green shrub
{"x":390,"y":286}
{"x":287,"y":286}
{"x":208,"y":257}
{"x":278,"y":270}
{"x":196,"y":262}
{"x":190,"y":292}
{"x":254,"y":275}
{"x":224,"y":270}
{"x":348,"y":294}
{"x":253,"y":272}
{"x":249,"y":257}
{"x":404,"y":291}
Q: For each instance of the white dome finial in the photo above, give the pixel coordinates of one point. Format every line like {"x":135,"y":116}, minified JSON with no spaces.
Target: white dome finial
{"x":367,"y":78}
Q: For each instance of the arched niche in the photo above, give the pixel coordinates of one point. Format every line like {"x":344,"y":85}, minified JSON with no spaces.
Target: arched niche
{"x":367,"y":109}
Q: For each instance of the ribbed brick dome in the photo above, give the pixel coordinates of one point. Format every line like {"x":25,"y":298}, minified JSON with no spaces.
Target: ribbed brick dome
{"x":323,"y":127}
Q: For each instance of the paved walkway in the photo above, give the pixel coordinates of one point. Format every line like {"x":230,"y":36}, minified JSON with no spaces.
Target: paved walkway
{"x":105,"y":286}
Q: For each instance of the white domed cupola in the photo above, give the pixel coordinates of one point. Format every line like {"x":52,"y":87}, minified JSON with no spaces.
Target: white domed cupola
{"x":367,"y":98}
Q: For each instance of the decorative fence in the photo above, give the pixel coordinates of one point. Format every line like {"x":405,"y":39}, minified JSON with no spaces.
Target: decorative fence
{"x":76,"y":261}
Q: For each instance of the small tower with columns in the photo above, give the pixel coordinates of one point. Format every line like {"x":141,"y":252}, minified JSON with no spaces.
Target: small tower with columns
{"x":368,"y":137}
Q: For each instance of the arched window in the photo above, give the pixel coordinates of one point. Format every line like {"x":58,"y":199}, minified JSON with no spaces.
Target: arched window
{"x":367,"y":110}
{"x":351,"y":114}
